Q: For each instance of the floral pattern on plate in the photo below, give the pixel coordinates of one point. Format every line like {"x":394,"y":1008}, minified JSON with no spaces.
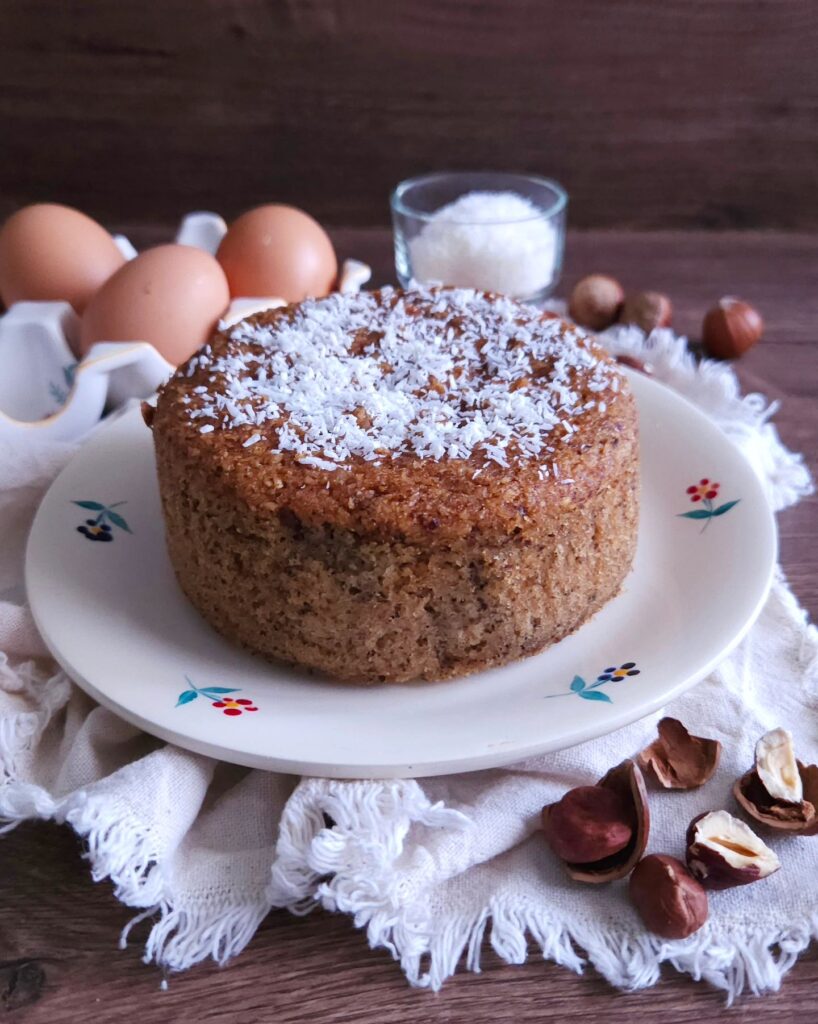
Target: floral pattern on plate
{"x":101,"y":526}
{"x":706,"y":491}
{"x":217,"y":695}
{"x":591,"y":691}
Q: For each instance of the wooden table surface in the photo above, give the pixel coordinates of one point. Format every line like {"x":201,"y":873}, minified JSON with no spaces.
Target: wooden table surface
{"x":59,"y":961}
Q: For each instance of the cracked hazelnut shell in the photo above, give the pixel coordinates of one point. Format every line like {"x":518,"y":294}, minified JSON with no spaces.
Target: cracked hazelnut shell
{"x":771,"y":794}
{"x":670,"y":901}
{"x":724,"y":852}
{"x":679,"y":760}
{"x":625,"y":781}
{"x":799,"y":819}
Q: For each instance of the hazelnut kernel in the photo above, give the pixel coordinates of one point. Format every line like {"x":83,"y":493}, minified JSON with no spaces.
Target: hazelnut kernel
{"x":596,"y":301}
{"x":588,"y":824}
{"x":731,"y":328}
{"x":777,"y":767}
{"x":671,"y":903}
{"x":647,"y":310}
{"x":723,"y":852}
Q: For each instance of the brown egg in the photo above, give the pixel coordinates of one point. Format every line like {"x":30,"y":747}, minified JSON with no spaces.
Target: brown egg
{"x":51,"y":252}
{"x":171,"y":296}
{"x":278,"y":250}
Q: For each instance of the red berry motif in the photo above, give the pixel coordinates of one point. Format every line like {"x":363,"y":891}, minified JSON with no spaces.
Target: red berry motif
{"x":217,"y":695}
{"x":233,"y":707}
{"x":705,"y":492}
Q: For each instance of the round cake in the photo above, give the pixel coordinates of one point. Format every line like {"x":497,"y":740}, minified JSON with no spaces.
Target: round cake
{"x":398,"y":486}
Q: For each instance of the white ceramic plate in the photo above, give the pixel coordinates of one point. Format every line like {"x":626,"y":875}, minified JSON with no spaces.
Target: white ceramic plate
{"x":114,"y":617}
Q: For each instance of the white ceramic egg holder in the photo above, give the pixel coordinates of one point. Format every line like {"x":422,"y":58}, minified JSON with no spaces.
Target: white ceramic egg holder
{"x":45,"y":394}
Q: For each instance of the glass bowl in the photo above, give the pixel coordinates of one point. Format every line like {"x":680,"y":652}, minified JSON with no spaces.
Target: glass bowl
{"x":511,"y":241}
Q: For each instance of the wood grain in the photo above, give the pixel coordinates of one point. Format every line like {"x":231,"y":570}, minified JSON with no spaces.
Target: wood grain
{"x":58,"y":957}
{"x":304,"y":970}
{"x":685,"y":113}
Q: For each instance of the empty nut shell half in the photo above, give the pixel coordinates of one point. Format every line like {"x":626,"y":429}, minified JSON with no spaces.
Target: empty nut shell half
{"x":627,"y":783}
{"x":723,"y":852}
{"x":679,"y":760}
{"x":799,"y":819}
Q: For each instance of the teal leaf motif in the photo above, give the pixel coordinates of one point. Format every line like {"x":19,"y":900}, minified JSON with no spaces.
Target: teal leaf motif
{"x":700,"y":513}
{"x":93,"y":505}
{"x":577,"y":684}
{"x":186,"y":697}
{"x":725,"y":507}
{"x":218,"y":689}
{"x":117,"y":520}
{"x":594,"y":695}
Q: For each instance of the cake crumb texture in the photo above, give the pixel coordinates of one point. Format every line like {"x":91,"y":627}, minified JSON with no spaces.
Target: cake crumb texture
{"x":371,"y":554}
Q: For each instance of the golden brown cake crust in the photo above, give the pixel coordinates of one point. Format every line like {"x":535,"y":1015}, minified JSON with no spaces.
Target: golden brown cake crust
{"x":396,"y":564}
{"x":404,"y":495}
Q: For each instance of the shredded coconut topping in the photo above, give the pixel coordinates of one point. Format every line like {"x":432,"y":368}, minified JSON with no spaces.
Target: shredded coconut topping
{"x":438,"y":374}
{"x":499,"y":241}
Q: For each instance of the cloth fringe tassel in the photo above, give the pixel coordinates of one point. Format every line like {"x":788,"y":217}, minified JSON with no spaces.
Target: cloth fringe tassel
{"x":362,"y":852}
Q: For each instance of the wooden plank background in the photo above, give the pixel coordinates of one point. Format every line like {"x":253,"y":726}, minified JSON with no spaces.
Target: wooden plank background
{"x":678,"y":113}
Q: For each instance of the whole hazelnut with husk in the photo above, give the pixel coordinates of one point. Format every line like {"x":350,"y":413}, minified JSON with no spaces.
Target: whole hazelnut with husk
{"x":679,"y":760}
{"x":610,"y":829}
{"x":730,"y":328}
{"x":596,"y":301}
{"x":780,"y":791}
{"x":647,"y":310}
{"x":723,"y":852}
{"x":670,"y":901}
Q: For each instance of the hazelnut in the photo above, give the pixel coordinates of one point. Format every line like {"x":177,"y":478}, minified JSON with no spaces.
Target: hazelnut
{"x":731,"y":328}
{"x":670,"y":901}
{"x":624,"y":814}
{"x":587,"y":824}
{"x":596,"y":301}
{"x":148,"y":411}
{"x":780,"y":791}
{"x":634,"y":364}
{"x":723,"y":852}
{"x":647,"y":310}
{"x":679,"y":760}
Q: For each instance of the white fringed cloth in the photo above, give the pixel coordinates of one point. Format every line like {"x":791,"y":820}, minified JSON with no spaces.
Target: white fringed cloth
{"x":426,"y":868}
